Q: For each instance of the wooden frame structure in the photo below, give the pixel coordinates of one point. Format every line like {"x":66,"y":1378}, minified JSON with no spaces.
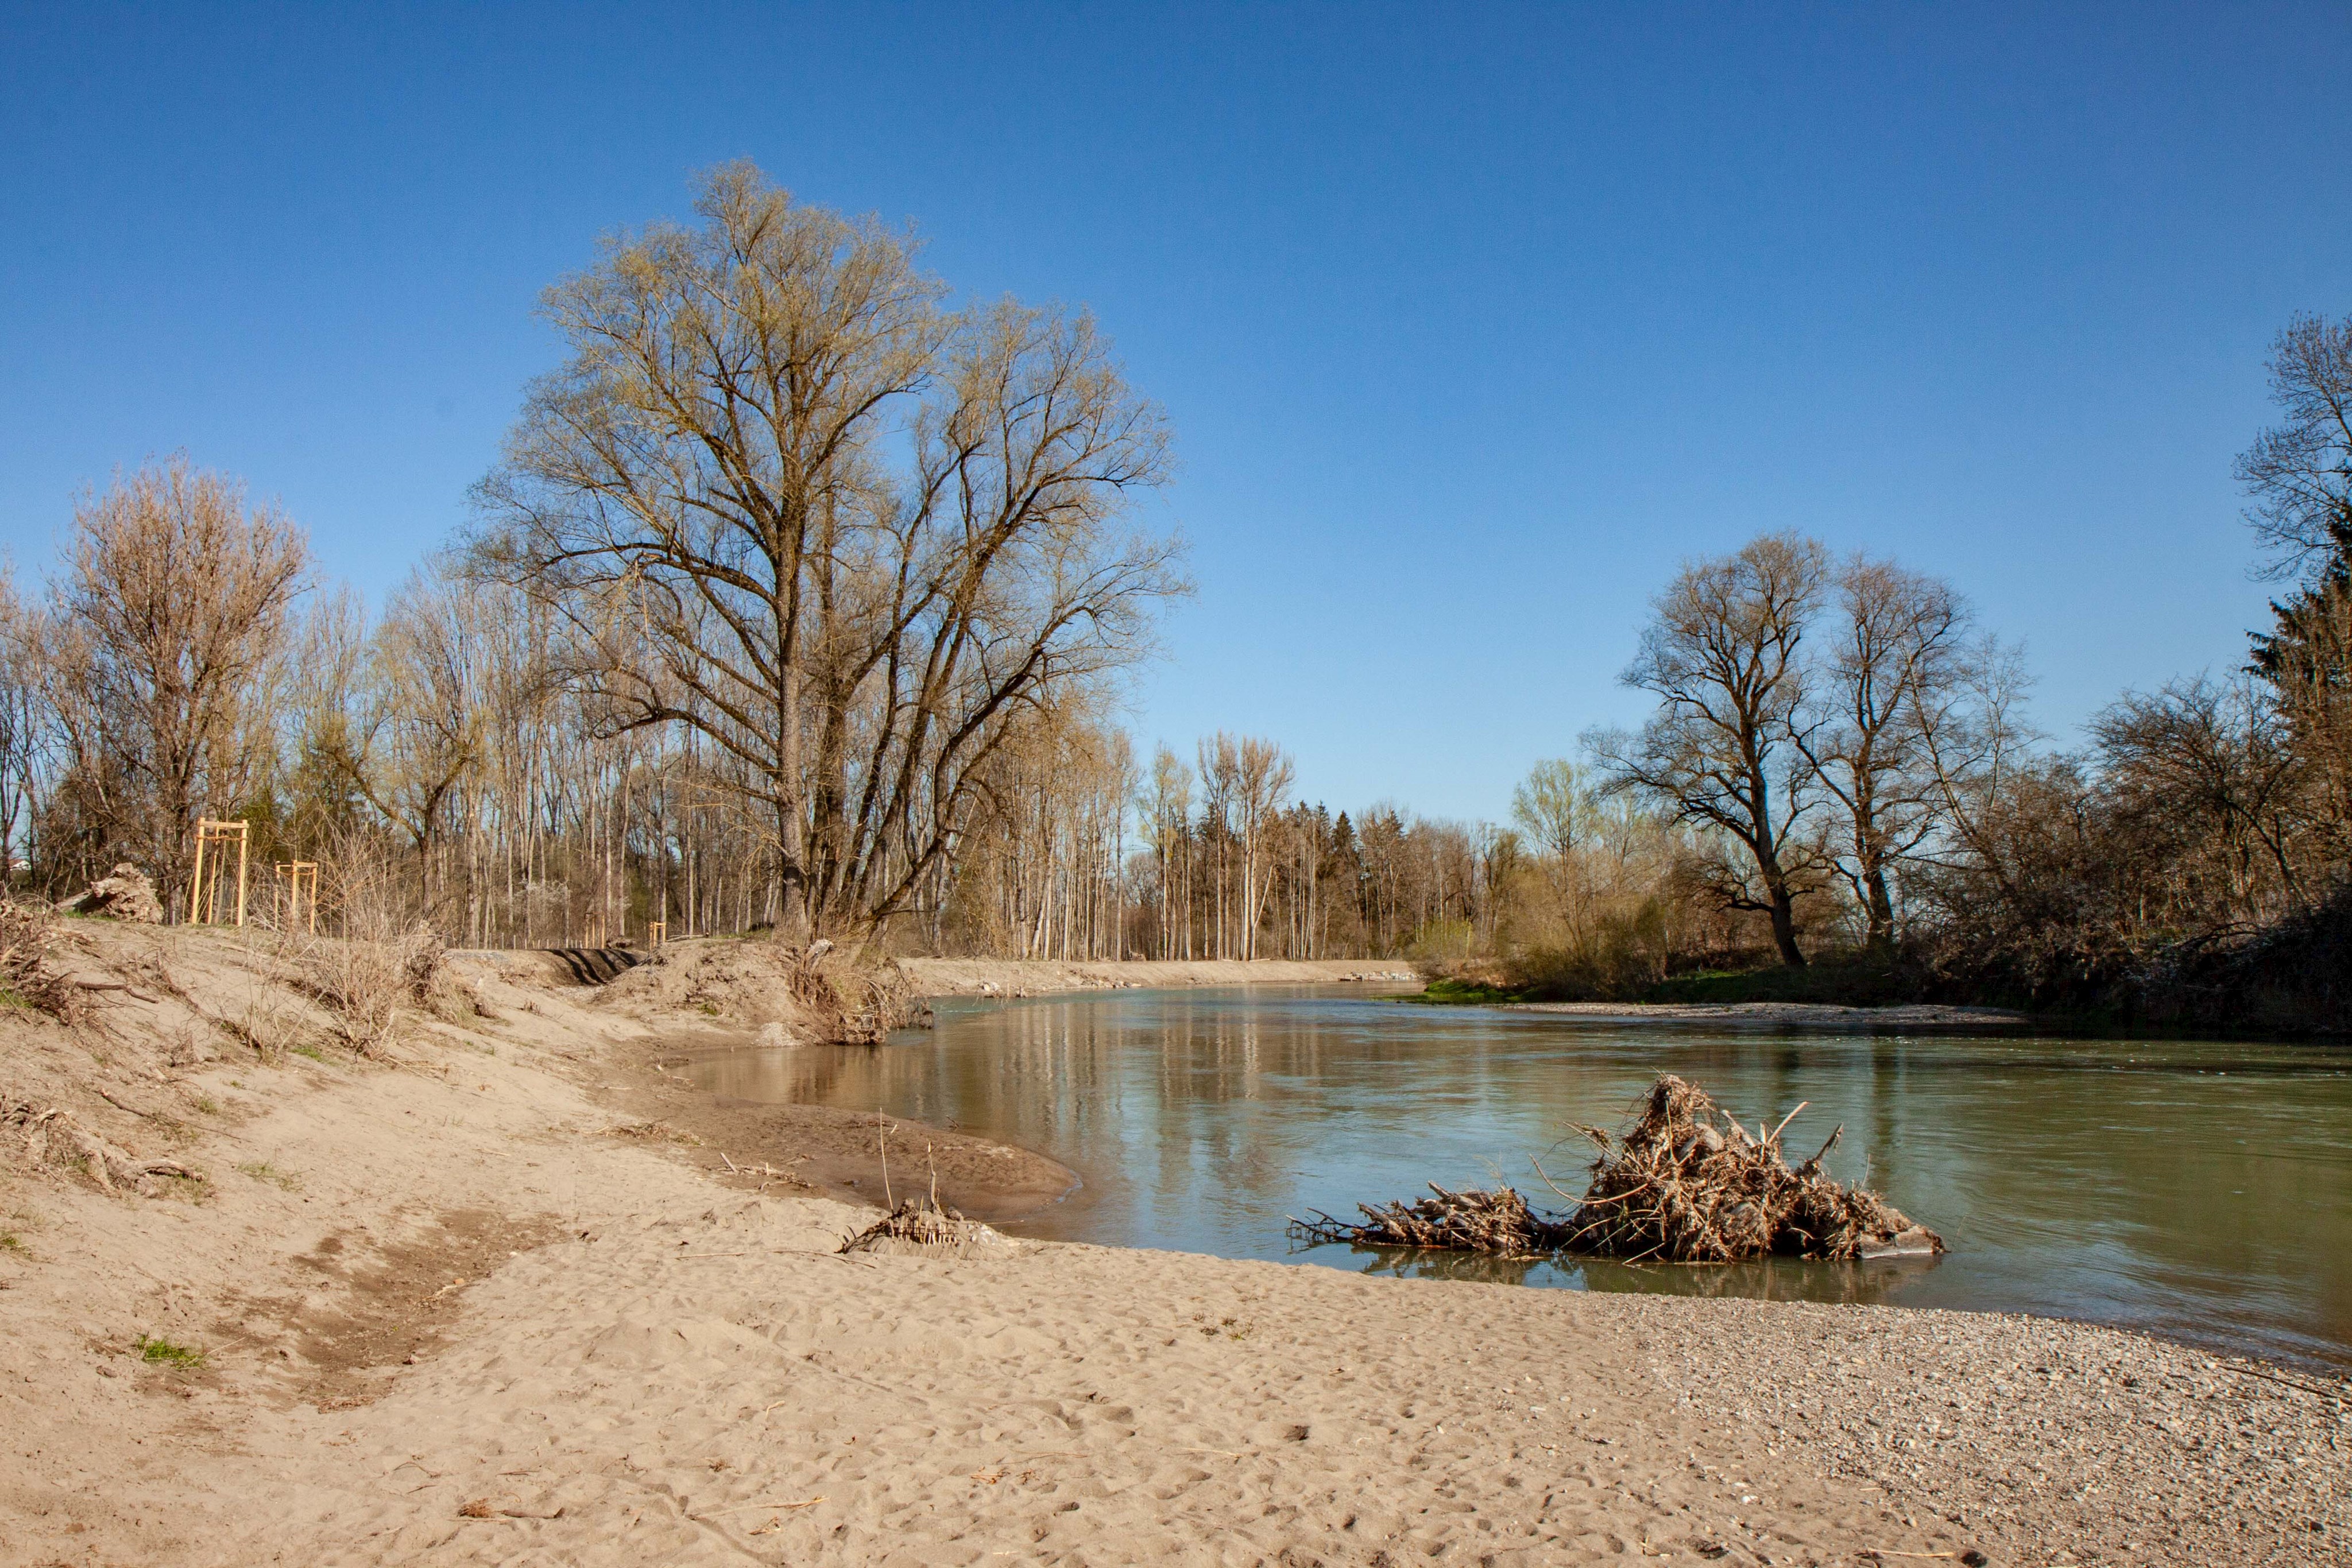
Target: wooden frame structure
{"x":656,"y":933}
{"x":204,"y":898}
{"x":292,"y":877}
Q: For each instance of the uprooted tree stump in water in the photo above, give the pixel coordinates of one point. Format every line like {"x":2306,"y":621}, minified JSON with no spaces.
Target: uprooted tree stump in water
{"x":1675,"y":1187}
{"x":1679,"y":1187}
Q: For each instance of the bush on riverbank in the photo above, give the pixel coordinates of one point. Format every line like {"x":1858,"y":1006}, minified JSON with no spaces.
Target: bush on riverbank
{"x":2290,"y":978}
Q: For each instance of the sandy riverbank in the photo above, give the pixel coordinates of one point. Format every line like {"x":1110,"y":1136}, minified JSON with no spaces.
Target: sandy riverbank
{"x":1043,"y":976}
{"x":500,"y":1301}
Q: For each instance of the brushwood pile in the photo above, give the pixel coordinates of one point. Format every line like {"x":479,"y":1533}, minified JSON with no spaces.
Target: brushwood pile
{"x":1685,"y":1182}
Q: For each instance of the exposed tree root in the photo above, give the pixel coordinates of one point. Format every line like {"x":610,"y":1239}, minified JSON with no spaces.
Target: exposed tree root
{"x":920,"y":1224}
{"x":1498,"y":1223}
{"x":1678,"y":1187}
{"x":52,"y":1135}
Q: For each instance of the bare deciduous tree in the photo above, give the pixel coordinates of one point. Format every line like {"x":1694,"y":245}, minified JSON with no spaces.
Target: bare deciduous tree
{"x":423,"y":709}
{"x":183,"y":595}
{"x":1167,"y":811}
{"x":1899,"y":653}
{"x":785,"y":498}
{"x":2299,"y":476}
{"x":1723,"y":655}
{"x":2202,"y":762}
{"x":2299,"y":473}
{"x":1249,"y":783}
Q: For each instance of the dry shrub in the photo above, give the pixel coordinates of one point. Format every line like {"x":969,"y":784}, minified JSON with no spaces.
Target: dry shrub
{"x":271,"y":1021}
{"x":367,"y":984}
{"x":28,"y":971}
{"x":1686,"y":1183}
{"x":382,"y":962}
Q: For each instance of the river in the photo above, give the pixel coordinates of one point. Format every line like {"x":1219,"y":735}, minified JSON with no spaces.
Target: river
{"x":2197,"y":1190}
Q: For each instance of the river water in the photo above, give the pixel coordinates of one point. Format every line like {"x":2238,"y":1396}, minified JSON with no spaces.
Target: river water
{"x":2195,"y":1189}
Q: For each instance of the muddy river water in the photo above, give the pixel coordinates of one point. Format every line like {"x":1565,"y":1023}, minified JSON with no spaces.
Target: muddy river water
{"x":2201,"y":1190}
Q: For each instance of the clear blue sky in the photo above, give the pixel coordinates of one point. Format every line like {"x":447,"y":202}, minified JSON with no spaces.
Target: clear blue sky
{"x":1472,"y":320}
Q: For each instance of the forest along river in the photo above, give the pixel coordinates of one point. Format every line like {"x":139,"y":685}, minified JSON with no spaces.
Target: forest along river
{"x":2195,"y":1190}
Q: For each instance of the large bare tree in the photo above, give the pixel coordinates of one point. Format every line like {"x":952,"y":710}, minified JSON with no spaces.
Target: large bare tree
{"x":1900,"y":650}
{"x":783,"y":495}
{"x":2298,"y":477}
{"x":181,"y":595}
{"x":1723,"y":654}
{"x":2298,"y":473}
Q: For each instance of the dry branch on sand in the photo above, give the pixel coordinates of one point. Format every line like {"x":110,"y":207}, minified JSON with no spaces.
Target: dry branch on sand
{"x":1675,"y":1187}
{"x":51,"y":1134}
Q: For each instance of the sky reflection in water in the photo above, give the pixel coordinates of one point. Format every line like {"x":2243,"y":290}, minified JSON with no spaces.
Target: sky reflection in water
{"x":2194,"y":1188}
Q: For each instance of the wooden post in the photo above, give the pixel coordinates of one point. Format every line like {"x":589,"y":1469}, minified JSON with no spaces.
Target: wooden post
{"x":657,"y":932}
{"x":196,"y":883}
{"x":292,"y":872}
{"x":203,"y":906}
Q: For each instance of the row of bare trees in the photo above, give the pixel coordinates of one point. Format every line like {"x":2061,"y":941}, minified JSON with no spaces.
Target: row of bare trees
{"x":800,"y":596}
{"x":786,"y":571}
{"x":1845,"y":754}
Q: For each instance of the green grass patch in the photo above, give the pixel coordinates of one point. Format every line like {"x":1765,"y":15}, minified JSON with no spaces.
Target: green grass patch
{"x":207,"y":1105}
{"x":312,"y":1052}
{"x":1853,"y":983}
{"x":1444,"y":992}
{"x":163,"y":1352}
{"x":11,"y":1242}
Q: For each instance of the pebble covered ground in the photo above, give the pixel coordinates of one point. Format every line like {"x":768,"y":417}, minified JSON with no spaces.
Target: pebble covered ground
{"x":2061,"y":1441}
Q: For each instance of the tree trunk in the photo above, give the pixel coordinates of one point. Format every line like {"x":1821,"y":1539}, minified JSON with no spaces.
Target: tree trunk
{"x":1784,"y":926}
{"x":1879,"y":908}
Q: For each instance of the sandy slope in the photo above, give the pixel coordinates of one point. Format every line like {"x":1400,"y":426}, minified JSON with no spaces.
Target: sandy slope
{"x":625,"y":1353}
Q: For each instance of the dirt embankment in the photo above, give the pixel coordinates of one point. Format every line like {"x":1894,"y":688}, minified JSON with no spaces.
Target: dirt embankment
{"x":483,"y":1299}
{"x":1046,"y":977}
